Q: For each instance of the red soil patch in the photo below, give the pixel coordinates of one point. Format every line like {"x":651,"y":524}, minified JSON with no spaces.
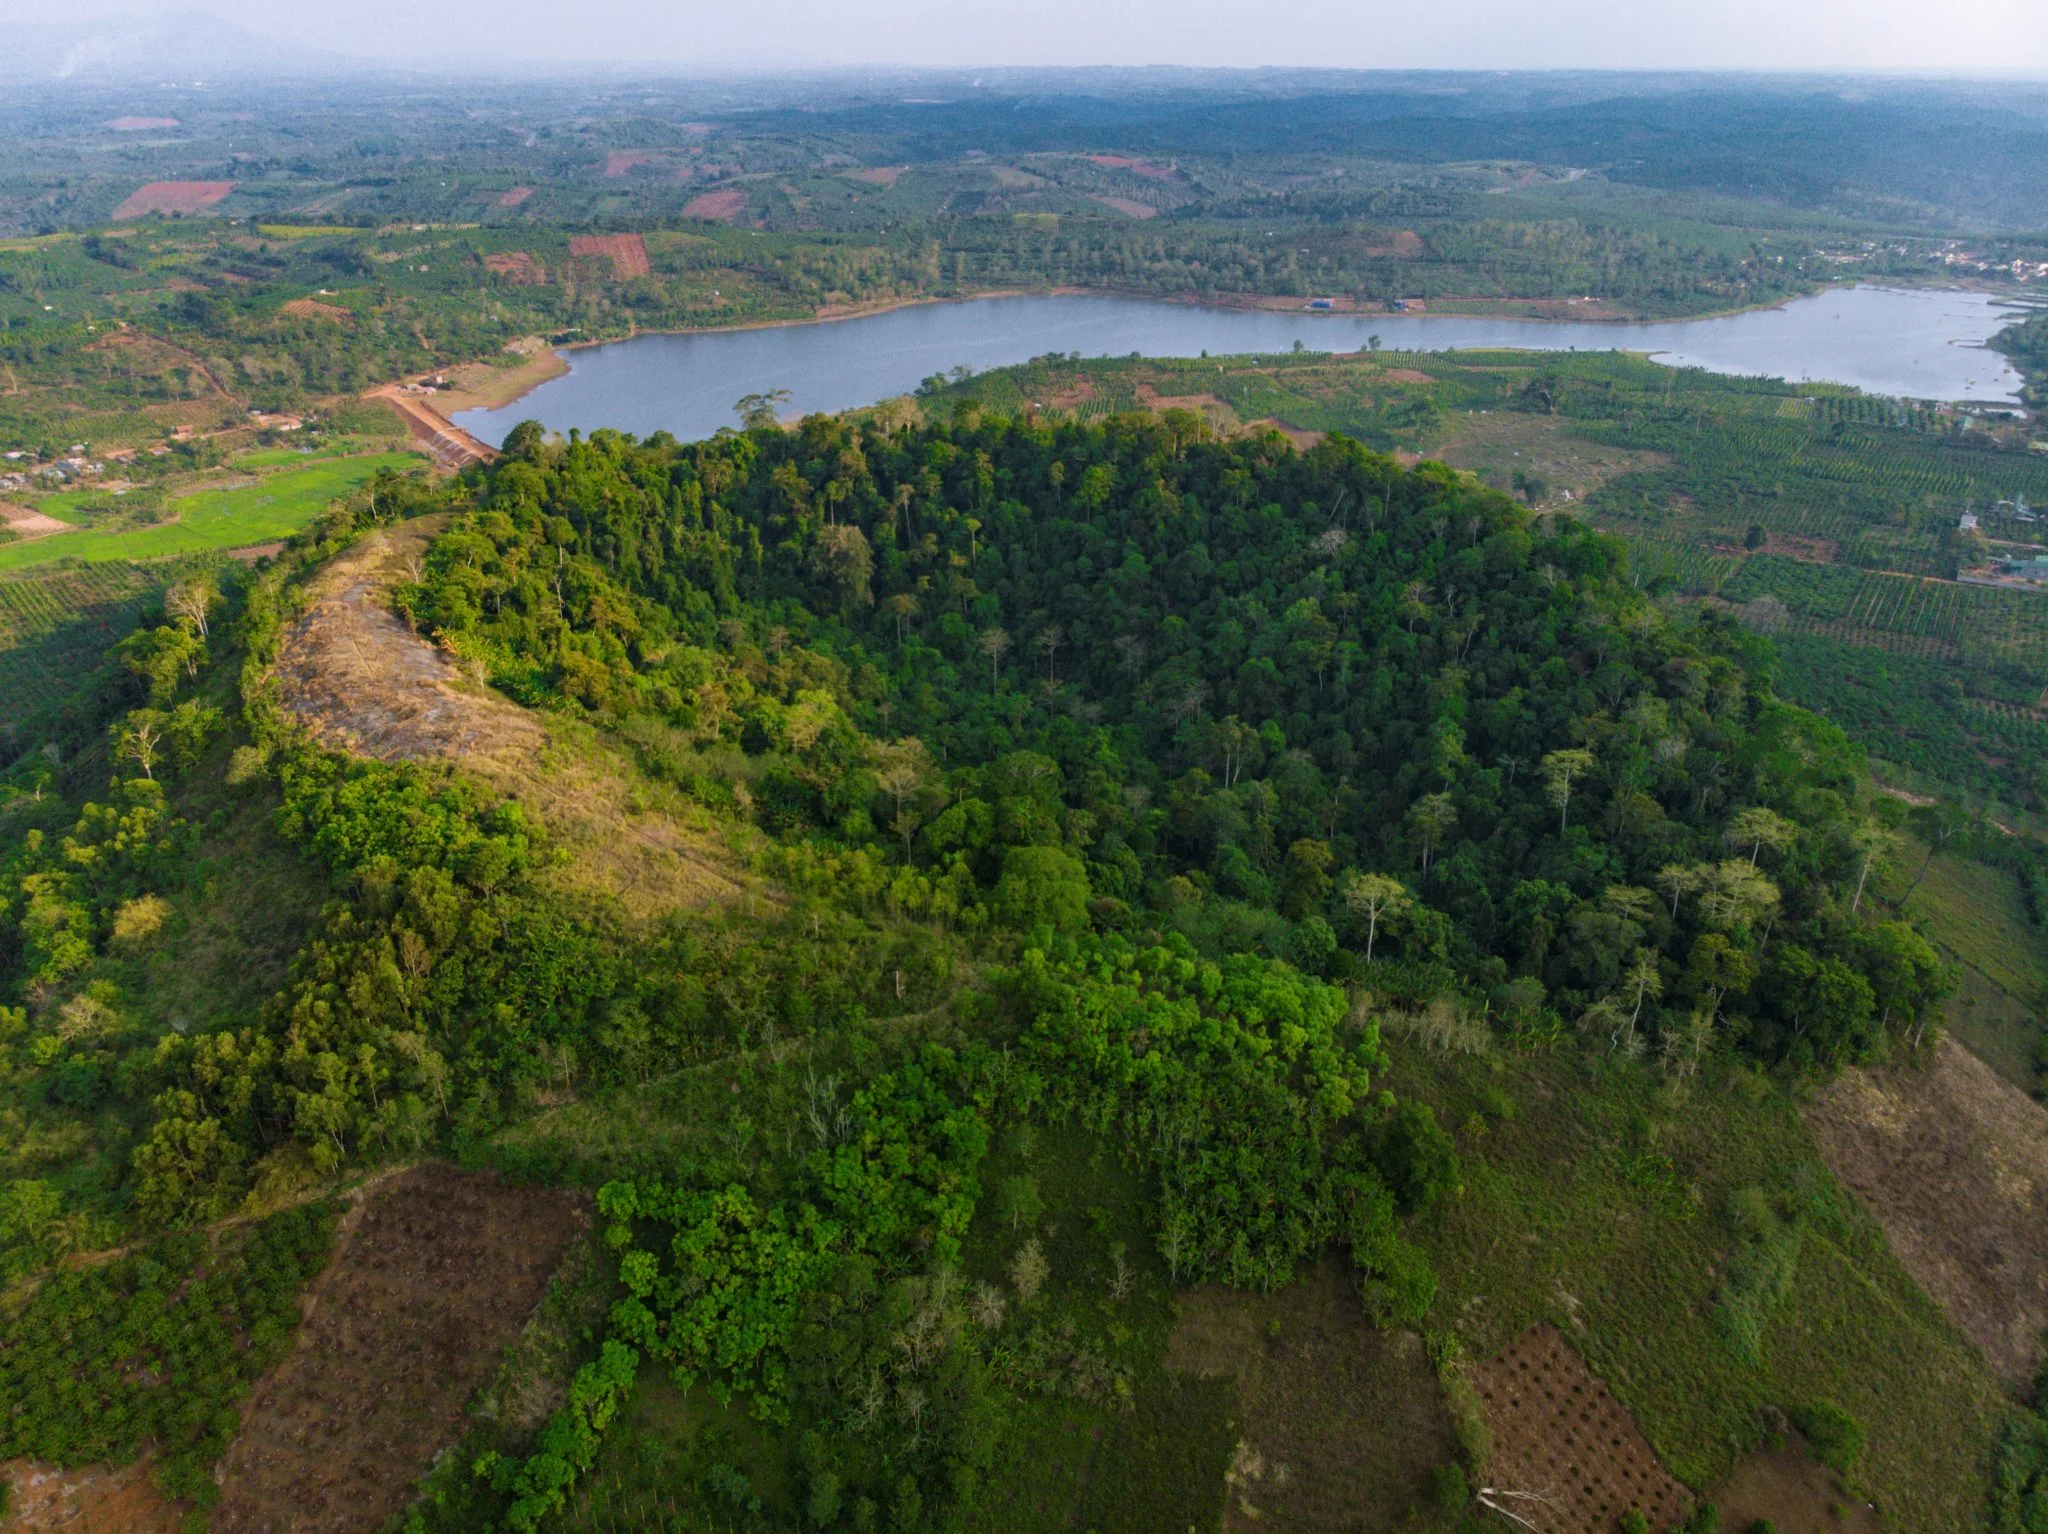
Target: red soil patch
{"x":173,"y":197}
{"x":1405,"y":375}
{"x":439,"y":1273}
{"x":517,"y":266}
{"x":313,"y":309}
{"x":1135,"y":167}
{"x":723,"y":205}
{"x":1152,"y":399}
{"x":1558,"y":1434}
{"x":515,"y":197}
{"x":619,"y":161}
{"x":248,"y":554}
{"x":628,"y":252}
{"x":879,"y":175}
{"x":25,"y":523}
{"x":1953,"y":1161}
{"x":141,"y":124}
{"x":123,"y":1499}
{"x":1406,"y":246}
{"x":1125,"y":206}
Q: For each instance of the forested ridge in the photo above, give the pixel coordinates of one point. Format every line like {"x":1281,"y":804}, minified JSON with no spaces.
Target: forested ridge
{"x":1161,"y":671}
{"x":1121,"y":780}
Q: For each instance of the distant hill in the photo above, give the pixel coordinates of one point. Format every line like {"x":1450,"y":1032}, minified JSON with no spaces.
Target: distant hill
{"x":183,"y":46}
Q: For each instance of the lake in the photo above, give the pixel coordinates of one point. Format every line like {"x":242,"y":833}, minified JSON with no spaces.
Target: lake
{"x":1917,"y":343}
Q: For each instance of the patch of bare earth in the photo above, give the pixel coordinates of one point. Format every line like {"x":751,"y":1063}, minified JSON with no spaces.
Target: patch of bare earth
{"x":365,"y":683}
{"x":313,"y":309}
{"x":1125,"y":205}
{"x":1797,"y":1493}
{"x":1953,"y":1161}
{"x":172,"y":197}
{"x":1341,"y":1423}
{"x":124,"y":1499}
{"x":517,"y":266}
{"x":626,"y":252}
{"x":1302,"y":440}
{"x":1566,"y":1454}
{"x":724,"y":205}
{"x":24,"y":523}
{"x":437,"y":1274}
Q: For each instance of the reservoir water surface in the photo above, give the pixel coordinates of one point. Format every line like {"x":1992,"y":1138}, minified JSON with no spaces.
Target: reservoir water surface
{"x":1915,"y":343}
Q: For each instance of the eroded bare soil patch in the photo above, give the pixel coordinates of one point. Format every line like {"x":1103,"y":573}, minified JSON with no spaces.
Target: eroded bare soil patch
{"x":1342,"y":1423}
{"x":365,"y":683}
{"x":1795,"y":1492}
{"x":118,"y":1500}
{"x":438,"y":1273}
{"x":1953,"y":1161}
{"x":1568,"y":1446}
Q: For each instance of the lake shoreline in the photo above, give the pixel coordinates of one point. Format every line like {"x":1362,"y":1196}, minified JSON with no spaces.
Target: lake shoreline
{"x":1894,"y":339}
{"x":478,"y":397}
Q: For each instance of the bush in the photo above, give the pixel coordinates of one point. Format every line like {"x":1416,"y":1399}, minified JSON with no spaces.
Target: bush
{"x":1449,"y":1491}
{"x":1415,"y":1155}
{"x":1836,"y":1437}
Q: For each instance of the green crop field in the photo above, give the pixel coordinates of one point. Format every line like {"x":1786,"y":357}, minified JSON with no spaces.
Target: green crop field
{"x":275,"y":506}
{"x":56,"y":624}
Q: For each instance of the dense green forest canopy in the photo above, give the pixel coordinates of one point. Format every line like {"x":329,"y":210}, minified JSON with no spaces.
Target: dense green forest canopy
{"x":1063,"y":672}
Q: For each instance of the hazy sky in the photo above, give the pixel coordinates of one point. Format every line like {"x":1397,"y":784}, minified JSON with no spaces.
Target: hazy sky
{"x":2001,"y":36}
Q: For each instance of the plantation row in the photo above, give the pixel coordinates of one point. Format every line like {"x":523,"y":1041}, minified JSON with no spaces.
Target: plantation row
{"x":57,"y":623}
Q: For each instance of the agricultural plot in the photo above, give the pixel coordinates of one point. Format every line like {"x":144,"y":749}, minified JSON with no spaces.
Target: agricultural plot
{"x":1562,"y":1440}
{"x":1603,"y":1208}
{"x":276,"y":505}
{"x":55,"y":625}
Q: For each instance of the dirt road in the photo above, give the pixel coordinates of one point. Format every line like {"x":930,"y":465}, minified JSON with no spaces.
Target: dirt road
{"x":452,"y":447}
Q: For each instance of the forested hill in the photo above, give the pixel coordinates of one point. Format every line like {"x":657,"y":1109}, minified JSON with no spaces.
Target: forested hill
{"x":1132,"y":674}
{"x":1120,"y":781}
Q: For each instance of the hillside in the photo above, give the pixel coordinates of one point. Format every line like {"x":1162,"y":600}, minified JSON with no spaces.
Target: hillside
{"x":1104,"y":975}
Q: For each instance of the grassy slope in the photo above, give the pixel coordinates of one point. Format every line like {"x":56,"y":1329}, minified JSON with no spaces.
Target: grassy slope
{"x":1975,"y":912}
{"x":1570,"y":1216}
{"x":277,"y":505}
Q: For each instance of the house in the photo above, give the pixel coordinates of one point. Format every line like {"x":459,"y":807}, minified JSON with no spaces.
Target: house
{"x":2033,"y":570}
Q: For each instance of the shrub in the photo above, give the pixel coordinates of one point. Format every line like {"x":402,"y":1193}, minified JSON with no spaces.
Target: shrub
{"x":1836,"y":1437}
{"x":1415,"y":1155}
{"x":1449,"y":1491}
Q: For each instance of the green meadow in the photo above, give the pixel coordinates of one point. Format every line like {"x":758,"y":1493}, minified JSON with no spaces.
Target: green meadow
{"x":276,"y":505}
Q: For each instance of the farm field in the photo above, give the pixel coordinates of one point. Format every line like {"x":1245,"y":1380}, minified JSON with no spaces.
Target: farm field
{"x":57,"y":624}
{"x":1601,"y":1205}
{"x":277,"y":505}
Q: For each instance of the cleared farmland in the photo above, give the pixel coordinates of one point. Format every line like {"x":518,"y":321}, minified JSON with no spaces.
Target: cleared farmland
{"x":276,"y":505}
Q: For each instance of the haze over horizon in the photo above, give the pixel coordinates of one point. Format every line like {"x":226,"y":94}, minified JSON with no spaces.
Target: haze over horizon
{"x":1986,"y":37}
